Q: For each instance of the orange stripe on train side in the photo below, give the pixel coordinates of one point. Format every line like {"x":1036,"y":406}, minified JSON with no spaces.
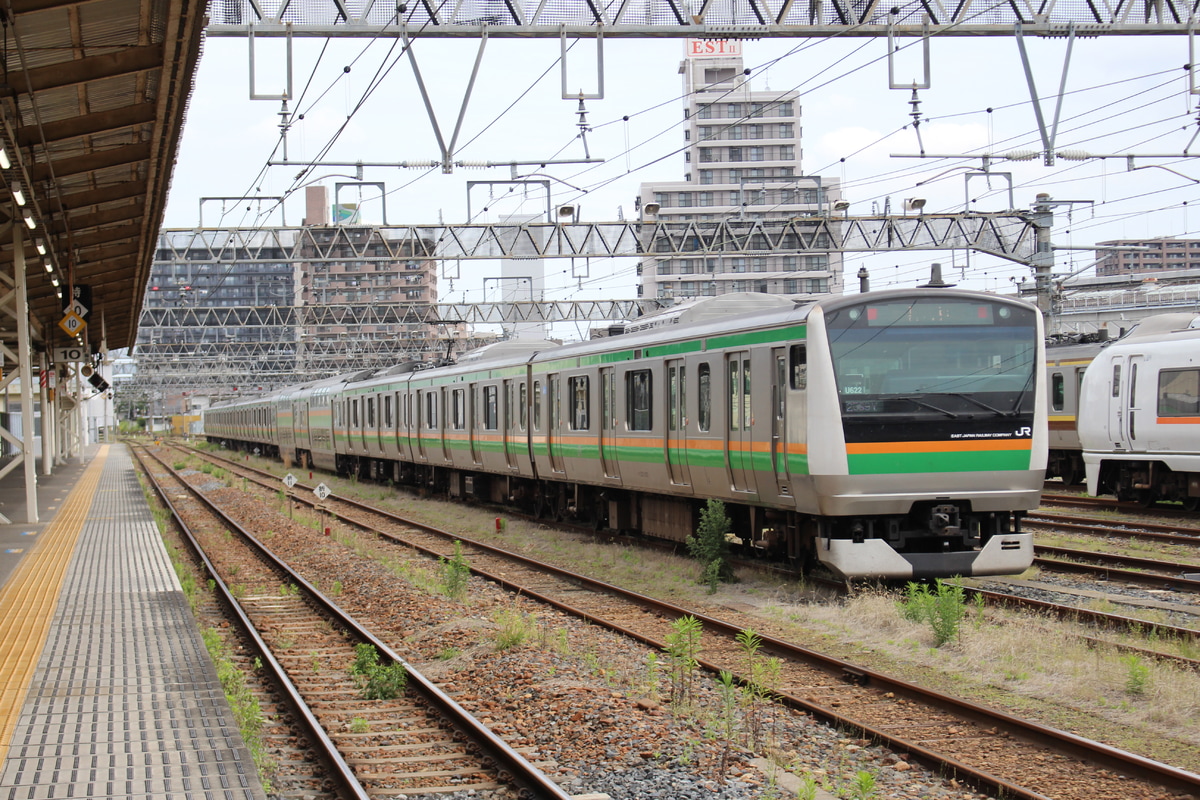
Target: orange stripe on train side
{"x":962,"y":446}
{"x":1179,"y":420}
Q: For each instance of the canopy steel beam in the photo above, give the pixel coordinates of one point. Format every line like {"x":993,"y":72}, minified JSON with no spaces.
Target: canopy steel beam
{"x":736,"y":19}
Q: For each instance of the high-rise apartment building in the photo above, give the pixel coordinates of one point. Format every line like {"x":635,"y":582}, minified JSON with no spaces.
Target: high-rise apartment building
{"x":270,"y":307}
{"x":742,"y":163}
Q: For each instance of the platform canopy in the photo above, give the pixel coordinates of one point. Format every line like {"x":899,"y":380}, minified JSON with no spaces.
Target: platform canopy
{"x":92,"y":102}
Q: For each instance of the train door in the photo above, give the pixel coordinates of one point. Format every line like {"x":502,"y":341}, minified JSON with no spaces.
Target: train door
{"x":739,"y":446}
{"x":509,"y":436}
{"x":779,"y":442}
{"x":1126,"y":415}
{"x":554,"y":420}
{"x":475,"y":422}
{"x":443,"y":402}
{"x":608,"y":422}
{"x":677,"y":420}
{"x":424,"y":421}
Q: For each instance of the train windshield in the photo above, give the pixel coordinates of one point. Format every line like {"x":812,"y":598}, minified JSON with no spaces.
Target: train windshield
{"x":934,"y":357}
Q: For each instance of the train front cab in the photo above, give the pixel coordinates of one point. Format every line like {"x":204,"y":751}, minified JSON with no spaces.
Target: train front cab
{"x":926,"y":434}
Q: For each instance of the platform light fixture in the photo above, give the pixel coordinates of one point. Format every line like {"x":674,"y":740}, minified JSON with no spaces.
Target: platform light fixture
{"x":49,"y":267}
{"x":41,"y":246}
{"x":18,"y":195}
{"x":4,"y":162}
{"x":54,"y":283}
{"x":30,"y":222}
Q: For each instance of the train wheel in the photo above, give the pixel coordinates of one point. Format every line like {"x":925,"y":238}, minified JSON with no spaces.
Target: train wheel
{"x":1146,"y":498}
{"x":600,"y":514}
{"x":1072,"y":476}
{"x":1191,"y":503}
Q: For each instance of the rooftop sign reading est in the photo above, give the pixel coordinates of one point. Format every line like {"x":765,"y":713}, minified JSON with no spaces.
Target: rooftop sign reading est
{"x":713,"y":48}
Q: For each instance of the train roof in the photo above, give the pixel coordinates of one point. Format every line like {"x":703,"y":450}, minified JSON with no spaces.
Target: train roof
{"x":709,"y":308}
{"x":1160,"y":324}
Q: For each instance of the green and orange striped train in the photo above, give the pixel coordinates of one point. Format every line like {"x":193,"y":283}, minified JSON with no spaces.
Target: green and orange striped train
{"x":897,"y":434}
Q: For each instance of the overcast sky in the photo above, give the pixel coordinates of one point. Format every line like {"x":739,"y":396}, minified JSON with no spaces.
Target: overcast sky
{"x":1124,"y":95}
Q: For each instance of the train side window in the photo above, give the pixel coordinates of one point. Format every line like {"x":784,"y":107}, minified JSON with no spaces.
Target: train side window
{"x":1179,"y":393}
{"x":491,"y":408}
{"x":387,"y":411}
{"x":735,"y":417}
{"x":537,"y":405}
{"x":431,"y":410}
{"x":458,"y":409}
{"x":354,"y":416}
{"x":673,"y":379}
{"x":704,"y":397}
{"x":371,"y":413}
{"x":578,"y":388}
{"x":523,"y":411}
{"x":798,"y":355}
{"x":1116,"y":381}
{"x":745,"y":394}
{"x":638,"y":397}
{"x":780,"y":382}
{"x":739,"y":394}
{"x":1058,"y":394}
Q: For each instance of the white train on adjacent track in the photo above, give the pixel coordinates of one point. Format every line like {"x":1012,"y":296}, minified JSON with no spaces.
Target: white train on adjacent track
{"x":1139,"y":413}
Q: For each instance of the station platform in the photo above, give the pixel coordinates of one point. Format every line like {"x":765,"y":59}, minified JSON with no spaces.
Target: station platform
{"x":106,"y":689}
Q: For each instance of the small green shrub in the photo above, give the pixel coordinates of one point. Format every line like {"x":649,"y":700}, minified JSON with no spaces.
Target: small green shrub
{"x":513,"y":628}
{"x":943,"y":608}
{"x":1137,"y":674}
{"x":456,"y":573}
{"x":377,"y":681}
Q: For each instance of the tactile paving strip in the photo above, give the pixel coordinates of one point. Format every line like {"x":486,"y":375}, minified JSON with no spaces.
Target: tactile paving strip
{"x":125,"y":702}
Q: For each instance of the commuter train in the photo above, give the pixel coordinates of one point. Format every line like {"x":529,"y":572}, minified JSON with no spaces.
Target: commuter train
{"x":1066,"y":359}
{"x":897,"y":434}
{"x":1139,"y":413}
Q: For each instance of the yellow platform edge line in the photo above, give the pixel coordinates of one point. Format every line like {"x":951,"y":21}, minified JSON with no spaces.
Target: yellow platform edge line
{"x":29,"y":599}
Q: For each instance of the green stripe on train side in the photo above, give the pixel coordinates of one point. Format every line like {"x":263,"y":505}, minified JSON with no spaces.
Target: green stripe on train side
{"x":770,"y":336}
{"x":945,"y":461}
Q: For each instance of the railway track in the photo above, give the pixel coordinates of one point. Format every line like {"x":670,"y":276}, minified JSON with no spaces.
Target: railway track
{"x":380,"y":728}
{"x":992,"y":750}
{"x":1112,"y":504}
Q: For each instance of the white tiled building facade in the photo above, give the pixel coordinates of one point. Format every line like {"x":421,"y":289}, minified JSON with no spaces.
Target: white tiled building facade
{"x":742,"y":162}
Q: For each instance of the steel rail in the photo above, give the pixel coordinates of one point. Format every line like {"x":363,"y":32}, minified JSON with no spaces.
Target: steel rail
{"x":1119,"y":567}
{"x":1174,"y":534}
{"x":1100,"y":619}
{"x":340,"y":773}
{"x":512,"y":765}
{"x":1060,"y":741}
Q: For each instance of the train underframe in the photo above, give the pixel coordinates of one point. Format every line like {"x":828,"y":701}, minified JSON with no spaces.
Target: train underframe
{"x":1148,"y":482}
{"x":934,"y":539}
{"x":1068,"y":465}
